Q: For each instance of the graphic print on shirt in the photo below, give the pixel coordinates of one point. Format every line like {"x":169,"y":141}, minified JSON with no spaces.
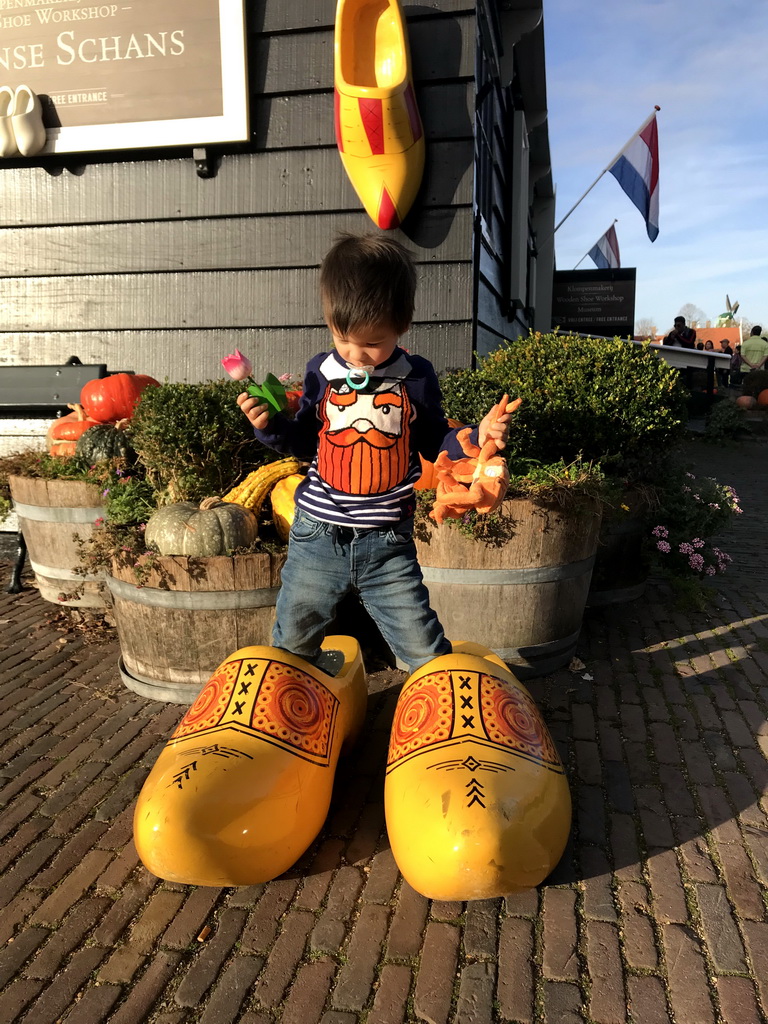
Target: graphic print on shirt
{"x":364,"y":444}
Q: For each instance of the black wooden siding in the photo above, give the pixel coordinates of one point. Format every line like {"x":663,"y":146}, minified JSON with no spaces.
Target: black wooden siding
{"x":134,"y":260}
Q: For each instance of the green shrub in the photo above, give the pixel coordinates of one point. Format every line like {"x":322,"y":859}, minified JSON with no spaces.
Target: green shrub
{"x":193,"y":440}
{"x":604,"y":402}
{"x":725,"y":422}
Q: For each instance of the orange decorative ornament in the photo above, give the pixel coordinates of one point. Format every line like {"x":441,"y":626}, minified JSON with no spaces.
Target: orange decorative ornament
{"x":64,"y":433}
{"x":107,"y":399}
{"x":745,"y":402}
{"x":762,"y":398}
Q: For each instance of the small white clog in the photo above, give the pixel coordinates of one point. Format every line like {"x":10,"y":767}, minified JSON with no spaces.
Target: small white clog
{"x":8,"y":145}
{"x":27,"y":120}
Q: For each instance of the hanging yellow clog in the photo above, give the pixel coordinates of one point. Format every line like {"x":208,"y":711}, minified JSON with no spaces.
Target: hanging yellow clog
{"x":476,"y":799}
{"x":244,"y":784}
{"x":378,"y":128}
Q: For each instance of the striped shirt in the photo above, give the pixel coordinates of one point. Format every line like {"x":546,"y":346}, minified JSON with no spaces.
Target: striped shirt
{"x":364,"y":442}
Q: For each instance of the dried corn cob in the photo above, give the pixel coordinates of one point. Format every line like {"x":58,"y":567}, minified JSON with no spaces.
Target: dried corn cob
{"x":257,"y":485}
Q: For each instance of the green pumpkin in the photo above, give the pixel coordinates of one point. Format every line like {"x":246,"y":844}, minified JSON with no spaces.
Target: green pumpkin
{"x":213,"y":528}
{"x":103,"y":442}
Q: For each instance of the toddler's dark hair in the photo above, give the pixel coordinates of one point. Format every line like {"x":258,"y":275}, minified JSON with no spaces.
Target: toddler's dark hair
{"x":367,"y":281}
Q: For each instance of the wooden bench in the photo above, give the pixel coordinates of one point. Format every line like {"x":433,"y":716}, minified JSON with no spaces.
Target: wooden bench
{"x":41,"y":393}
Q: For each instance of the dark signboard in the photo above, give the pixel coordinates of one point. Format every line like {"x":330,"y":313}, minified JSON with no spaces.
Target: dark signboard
{"x":131,"y":74}
{"x":600,"y":302}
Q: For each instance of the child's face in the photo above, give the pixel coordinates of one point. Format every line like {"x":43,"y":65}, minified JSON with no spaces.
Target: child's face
{"x":366,"y":346}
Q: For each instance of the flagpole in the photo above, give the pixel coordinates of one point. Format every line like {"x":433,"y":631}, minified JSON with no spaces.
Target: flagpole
{"x":615,"y":221}
{"x":610,"y":163}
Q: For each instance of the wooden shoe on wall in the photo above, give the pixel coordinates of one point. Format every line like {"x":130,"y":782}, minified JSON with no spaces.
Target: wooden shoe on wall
{"x":27,"y":118}
{"x":378,"y":128}
{"x":476,"y":799}
{"x":243,"y":786}
{"x":8,"y":145}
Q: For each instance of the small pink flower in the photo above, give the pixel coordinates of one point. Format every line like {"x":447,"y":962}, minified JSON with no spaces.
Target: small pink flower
{"x":686,"y":549}
{"x":237,"y":365}
{"x":696,"y":562}
{"x":660,"y":531}
{"x":711,"y":570}
{"x":663,"y":545}
{"x":285,"y":377}
{"x":697,"y":542}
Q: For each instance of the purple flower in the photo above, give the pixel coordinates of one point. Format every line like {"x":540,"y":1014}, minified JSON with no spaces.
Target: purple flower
{"x":686,"y":549}
{"x":697,"y":542}
{"x":711,"y":570}
{"x":663,"y":545}
{"x":660,"y":531}
{"x":696,"y":562}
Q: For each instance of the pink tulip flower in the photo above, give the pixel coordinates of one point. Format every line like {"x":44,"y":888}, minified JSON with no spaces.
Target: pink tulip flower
{"x":237,"y":365}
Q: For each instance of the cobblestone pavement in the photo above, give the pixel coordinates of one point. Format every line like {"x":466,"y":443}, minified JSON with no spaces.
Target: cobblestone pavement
{"x":656,"y":914}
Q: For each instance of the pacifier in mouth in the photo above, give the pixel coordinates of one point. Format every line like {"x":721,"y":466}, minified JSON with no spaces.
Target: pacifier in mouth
{"x":358,"y":376}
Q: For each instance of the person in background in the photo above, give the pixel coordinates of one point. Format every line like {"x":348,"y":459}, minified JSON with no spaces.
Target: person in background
{"x":700,"y":346}
{"x":708,"y":346}
{"x":684,"y":337}
{"x":754,"y":352}
{"x":735,"y":368}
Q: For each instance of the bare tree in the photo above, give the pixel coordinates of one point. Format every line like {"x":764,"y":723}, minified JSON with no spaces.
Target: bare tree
{"x":645,"y":328}
{"x":693,"y":315}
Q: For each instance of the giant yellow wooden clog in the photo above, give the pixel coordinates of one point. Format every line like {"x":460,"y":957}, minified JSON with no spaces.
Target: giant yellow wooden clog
{"x":243,"y":786}
{"x":378,"y":128}
{"x":477,"y":802}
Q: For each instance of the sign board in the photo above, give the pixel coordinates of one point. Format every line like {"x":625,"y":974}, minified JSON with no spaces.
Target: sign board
{"x":129,"y":74}
{"x":597,"y":302}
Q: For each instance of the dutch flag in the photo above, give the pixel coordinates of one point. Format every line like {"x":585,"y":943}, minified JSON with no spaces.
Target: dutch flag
{"x":605,"y":252}
{"x":636,"y":169}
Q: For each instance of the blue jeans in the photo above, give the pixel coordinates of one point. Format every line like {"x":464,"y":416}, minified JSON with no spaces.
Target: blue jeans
{"x":325,"y":562}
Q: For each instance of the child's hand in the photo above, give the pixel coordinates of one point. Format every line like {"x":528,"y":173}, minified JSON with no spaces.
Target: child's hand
{"x":257,"y":415}
{"x":494,"y":426}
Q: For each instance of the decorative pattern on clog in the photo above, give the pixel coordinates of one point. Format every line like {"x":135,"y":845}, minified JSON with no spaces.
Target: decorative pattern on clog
{"x":278,"y":702}
{"x":449,"y":707}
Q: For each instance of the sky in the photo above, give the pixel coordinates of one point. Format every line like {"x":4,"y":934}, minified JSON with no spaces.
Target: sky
{"x":705,"y":63}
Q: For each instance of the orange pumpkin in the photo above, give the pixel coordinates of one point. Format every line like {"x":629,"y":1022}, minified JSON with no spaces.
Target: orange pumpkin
{"x":745,"y":402}
{"x":762,"y":398}
{"x":63,"y":433}
{"x":107,"y":399}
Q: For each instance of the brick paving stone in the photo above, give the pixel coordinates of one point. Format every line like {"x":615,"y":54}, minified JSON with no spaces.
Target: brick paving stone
{"x":562,"y":1003}
{"x":187,"y":923}
{"x":16,"y":913}
{"x":205,"y":967}
{"x":745,"y":800}
{"x":446,"y":910}
{"x":607,"y":1002}
{"x":611,"y":745}
{"x":475,"y":1001}
{"x":522,"y":904}
{"x":560,"y":935}
{"x":132,"y":898}
{"x":718,"y":813}
{"x":437,"y":973}
{"x":315,"y":884}
{"x":65,"y":939}
{"x":408,"y":923}
{"x":721,"y":751}
{"x":514,"y":986}
{"x":328,"y":935}
{"x":589,"y":768}
{"x":756,"y":939}
{"x":18,"y":952}
{"x":740,"y":881}
{"x":119,"y":832}
{"x":79,"y":809}
{"x":624,"y":847}
{"x":687,"y":976}
{"x":654,"y":818}
{"x":94,"y":1006}
{"x":26,"y":868}
{"x":637,"y":930}
{"x":118,"y":870}
{"x":619,"y":787}
{"x":597,"y":885}
{"x":145,"y":993}
{"x":757,"y":844}
{"x":739,"y":732}
{"x":16,"y":998}
{"x":123,"y":794}
{"x":309,"y":992}
{"x":58,"y":995}
{"x":667,"y":893}
{"x":365,"y":840}
{"x":674,"y":786}
{"x":719,"y":927}
{"x":481,"y":928}
{"x":344,"y":892}
{"x":382,"y":878}
{"x":284,"y":957}
{"x":647,"y":1001}
{"x":75,"y":784}
{"x":389,"y":1006}
{"x":335,"y":1017}
{"x":590,"y":814}
{"x":70,"y":855}
{"x":264,"y":920}
{"x":22,"y":840}
{"x":123,"y":966}
{"x":154,"y":919}
{"x":738,"y":1001}
{"x":356,"y":976}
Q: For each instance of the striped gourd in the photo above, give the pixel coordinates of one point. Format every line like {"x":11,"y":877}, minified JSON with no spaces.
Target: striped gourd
{"x":257,"y":485}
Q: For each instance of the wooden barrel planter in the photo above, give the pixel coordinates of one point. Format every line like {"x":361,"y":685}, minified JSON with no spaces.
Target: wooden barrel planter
{"x":52,"y":513}
{"x":620,"y":573}
{"x":522,"y":595}
{"x":190,"y":614}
